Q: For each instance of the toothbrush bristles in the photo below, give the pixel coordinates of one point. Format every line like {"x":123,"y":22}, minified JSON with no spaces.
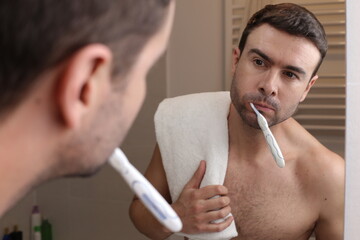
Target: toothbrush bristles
{"x":254,"y":108}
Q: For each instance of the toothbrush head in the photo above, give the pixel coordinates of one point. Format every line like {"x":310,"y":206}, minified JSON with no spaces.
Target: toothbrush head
{"x":260,"y":118}
{"x":254,"y":108}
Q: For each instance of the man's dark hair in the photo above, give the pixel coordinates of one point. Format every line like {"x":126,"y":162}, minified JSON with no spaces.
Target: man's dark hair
{"x":36,"y":35}
{"x":292,"y":19}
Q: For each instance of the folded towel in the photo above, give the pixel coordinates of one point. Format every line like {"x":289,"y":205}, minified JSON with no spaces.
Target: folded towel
{"x":189,"y":129}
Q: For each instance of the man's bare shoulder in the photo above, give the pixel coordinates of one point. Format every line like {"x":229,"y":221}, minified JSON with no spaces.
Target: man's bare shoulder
{"x":327,"y":164}
{"x":326,"y":181}
{"x":328,"y":169}
{"x":324,"y":166}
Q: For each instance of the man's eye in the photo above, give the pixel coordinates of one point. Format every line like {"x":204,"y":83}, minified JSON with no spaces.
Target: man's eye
{"x":290,"y":75}
{"x":259,"y":62}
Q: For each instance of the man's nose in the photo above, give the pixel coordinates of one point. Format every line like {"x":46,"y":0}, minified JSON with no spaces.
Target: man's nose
{"x":268,"y":86}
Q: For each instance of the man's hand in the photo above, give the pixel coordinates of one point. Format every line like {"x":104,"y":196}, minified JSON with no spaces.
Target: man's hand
{"x":198,"y":207}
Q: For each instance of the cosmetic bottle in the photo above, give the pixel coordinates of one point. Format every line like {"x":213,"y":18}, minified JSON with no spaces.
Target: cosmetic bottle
{"x":46,"y":230}
{"x":37,"y":233}
{"x":6,"y":235}
{"x":35,"y":222}
{"x":16,"y":234}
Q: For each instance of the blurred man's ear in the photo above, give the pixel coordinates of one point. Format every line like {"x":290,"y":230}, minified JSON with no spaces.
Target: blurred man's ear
{"x":308,"y":87}
{"x":235,"y":59}
{"x":82,"y":82}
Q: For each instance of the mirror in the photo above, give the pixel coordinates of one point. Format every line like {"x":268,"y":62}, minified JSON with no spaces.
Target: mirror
{"x":206,"y":64}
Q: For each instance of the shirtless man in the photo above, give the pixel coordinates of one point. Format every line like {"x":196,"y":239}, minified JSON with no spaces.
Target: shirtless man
{"x":274,"y":67}
{"x":72,"y":79}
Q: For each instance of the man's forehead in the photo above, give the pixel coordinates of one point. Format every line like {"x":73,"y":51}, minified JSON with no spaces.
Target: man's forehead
{"x":283,"y":47}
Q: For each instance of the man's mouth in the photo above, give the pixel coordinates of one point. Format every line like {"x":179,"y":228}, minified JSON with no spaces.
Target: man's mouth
{"x":263,"y":107}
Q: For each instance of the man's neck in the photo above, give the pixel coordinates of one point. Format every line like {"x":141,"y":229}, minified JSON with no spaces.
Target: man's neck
{"x":24,"y":149}
{"x":250,"y":140}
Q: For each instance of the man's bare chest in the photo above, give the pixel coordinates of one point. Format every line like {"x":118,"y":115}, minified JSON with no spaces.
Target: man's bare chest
{"x":267,"y":206}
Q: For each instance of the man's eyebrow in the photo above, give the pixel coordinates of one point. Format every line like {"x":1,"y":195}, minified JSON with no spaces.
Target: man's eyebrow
{"x":296,"y":69}
{"x":261,"y":54}
{"x":271,"y":61}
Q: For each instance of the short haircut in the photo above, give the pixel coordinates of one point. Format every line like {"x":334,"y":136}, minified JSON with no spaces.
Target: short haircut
{"x":292,"y":19}
{"x":36,"y":35}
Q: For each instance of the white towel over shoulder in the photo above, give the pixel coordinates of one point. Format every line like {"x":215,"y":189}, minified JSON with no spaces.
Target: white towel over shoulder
{"x":189,"y":129}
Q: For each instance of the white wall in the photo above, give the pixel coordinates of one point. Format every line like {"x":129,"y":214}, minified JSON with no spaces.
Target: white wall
{"x":352,"y":154}
{"x":195,"y":55}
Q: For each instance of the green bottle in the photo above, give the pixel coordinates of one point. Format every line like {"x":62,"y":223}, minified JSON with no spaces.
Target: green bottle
{"x":46,"y":231}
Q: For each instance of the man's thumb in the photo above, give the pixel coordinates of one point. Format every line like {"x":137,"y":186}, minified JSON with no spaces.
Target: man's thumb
{"x":198,"y":176}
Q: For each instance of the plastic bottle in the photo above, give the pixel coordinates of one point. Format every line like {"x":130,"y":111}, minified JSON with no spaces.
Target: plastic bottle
{"x":46,"y":230}
{"x":35,"y":222}
{"x":37,"y":233}
{"x":6,"y":234}
{"x":16,"y":234}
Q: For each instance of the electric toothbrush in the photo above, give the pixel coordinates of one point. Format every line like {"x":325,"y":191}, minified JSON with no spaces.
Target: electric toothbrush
{"x":270,"y":139}
{"x":149,"y":196}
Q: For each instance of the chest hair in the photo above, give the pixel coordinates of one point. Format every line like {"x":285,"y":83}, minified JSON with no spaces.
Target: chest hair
{"x":267,"y":206}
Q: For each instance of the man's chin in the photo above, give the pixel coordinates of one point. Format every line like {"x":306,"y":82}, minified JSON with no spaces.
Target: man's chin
{"x":87,"y":172}
{"x":249,"y":120}
{"x":254,"y":125}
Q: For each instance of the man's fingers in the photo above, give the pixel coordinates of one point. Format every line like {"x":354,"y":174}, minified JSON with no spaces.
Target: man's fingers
{"x":213,"y":191}
{"x":217,"y":203}
{"x":218,"y":227}
{"x":207,"y":222}
{"x":217,"y":214}
{"x":198,"y":176}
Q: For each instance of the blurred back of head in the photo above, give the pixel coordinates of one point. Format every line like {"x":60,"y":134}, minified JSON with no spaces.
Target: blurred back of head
{"x":36,"y":35}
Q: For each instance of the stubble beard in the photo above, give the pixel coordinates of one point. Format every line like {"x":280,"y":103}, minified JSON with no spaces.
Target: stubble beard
{"x":249,"y":118}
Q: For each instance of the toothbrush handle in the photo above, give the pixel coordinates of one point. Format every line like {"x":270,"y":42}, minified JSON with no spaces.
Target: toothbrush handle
{"x":148,"y":195}
{"x":153,"y":201}
{"x":274,"y":147}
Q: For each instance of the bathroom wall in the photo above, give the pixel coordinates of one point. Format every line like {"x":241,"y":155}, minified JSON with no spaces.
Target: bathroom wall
{"x":195,"y":56}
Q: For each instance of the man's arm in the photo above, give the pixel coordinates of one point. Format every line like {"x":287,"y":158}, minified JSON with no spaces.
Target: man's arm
{"x":196,"y":206}
{"x":330,"y":225}
{"x":140,"y":216}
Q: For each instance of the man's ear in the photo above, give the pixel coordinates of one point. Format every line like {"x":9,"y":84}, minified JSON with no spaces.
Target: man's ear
{"x":308,"y":87}
{"x":235,"y":59}
{"x":82,"y":77}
